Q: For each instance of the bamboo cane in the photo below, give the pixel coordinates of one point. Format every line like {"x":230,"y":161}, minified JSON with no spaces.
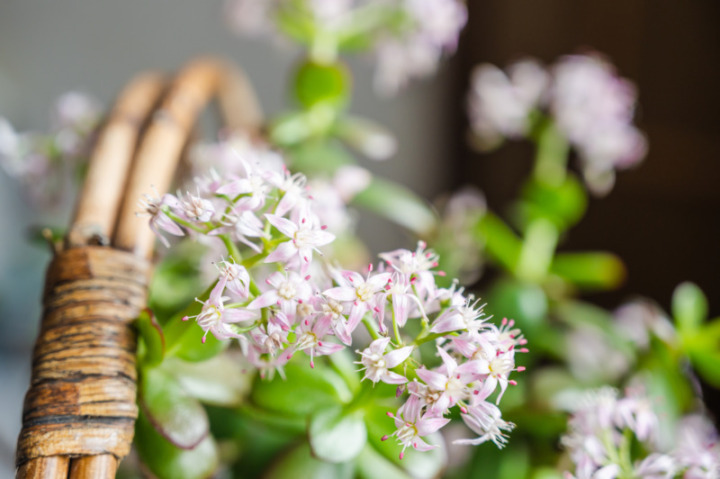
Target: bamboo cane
{"x":79,"y":412}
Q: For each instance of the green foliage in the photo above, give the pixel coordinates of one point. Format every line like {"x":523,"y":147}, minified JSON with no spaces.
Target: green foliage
{"x":337,"y":435}
{"x":152,"y":339}
{"x":407,"y":210}
{"x":176,"y":415}
{"x":689,"y":307}
{"x":168,"y":461}
{"x":317,"y":83}
{"x":589,"y":271}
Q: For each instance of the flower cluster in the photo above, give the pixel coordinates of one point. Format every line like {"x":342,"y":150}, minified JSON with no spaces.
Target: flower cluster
{"x":46,"y":163}
{"x":408,"y":37}
{"x":277,"y":298}
{"x":590,"y":105}
{"x":604,"y":426}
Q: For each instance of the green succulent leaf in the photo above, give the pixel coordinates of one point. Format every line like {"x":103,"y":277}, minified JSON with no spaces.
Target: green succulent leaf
{"x":408,"y":210}
{"x":591,"y":271}
{"x":177,"y":416}
{"x":167,"y":461}
{"x":219,"y":381}
{"x":337,"y":435}
{"x":689,"y":307}
{"x":300,"y":464}
{"x":312,"y":389}
{"x":152,"y":338}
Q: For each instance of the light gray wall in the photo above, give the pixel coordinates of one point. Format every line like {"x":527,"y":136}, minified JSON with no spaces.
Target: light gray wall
{"x":50,"y":46}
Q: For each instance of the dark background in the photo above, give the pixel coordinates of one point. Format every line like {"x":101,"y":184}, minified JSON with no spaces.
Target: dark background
{"x":661,"y":217}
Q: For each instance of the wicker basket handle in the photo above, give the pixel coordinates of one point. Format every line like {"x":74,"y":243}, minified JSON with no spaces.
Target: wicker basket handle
{"x":79,"y":412}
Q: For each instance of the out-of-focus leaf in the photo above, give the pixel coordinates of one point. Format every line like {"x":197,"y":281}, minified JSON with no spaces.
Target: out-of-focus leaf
{"x":546,"y":473}
{"x":420,"y":465}
{"x":167,"y":461}
{"x":373,"y":465}
{"x":594,"y":270}
{"x":538,"y":249}
{"x":322,"y":83}
{"x":178,"y":417}
{"x":336,"y":435}
{"x":299,"y":464}
{"x":563,"y":204}
{"x":689,"y":307}
{"x":522,"y":301}
{"x":342,"y":363}
{"x":220,"y":381}
{"x":295,"y":25}
{"x":312,"y":389}
{"x":153,"y":340}
{"x":176,"y":281}
{"x":319,"y":157}
{"x":515,"y":463}
{"x":290,"y":129}
{"x":367,"y":137}
{"x":398,"y":204}
{"x":707,"y":362}
{"x":501,"y":242}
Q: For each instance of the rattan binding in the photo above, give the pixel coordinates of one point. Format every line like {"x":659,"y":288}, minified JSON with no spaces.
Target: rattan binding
{"x":79,"y":412}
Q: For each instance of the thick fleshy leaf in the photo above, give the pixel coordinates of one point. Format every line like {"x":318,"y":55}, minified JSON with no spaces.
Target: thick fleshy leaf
{"x":152,"y":337}
{"x":177,"y":416}
{"x":596,"y":270}
{"x":312,"y":389}
{"x":689,"y":307}
{"x":220,"y":381}
{"x":372,"y":465}
{"x":299,"y":464}
{"x":336,"y":435}
{"x":408,"y":210}
{"x":501,"y":242}
{"x":563,"y":204}
{"x":168,"y":461}
{"x":321,"y":83}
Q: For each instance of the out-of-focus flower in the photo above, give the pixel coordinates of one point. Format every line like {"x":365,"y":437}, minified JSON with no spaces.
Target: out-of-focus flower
{"x":48,"y":164}
{"x":698,"y":447}
{"x":594,"y":107}
{"x":640,"y":319}
{"x":500,"y":104}
{"x":584,"y":345}
{"x":433,"y":30}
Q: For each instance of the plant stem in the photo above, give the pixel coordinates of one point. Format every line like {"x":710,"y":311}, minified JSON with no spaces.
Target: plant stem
{"x":552,"y":154}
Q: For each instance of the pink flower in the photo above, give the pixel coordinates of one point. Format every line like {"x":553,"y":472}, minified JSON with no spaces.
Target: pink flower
{"x":377,"y":363}
{"x":412,"y":426}
{"x":236,"y":277}
{"x":360,"y":291}
{"x":215,"y":318}
{"x":288,"y":289}
{"x":304,"y":238}
{"x":159,"y":220}
{"x":449,"y":384}
{"x":485,"y":419}
{"x":311,"y":335}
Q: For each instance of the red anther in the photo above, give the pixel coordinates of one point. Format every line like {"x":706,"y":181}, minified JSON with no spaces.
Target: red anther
{"x":203,"y":339}
{"x":267,"y":281}
{"x":523,"y":350}
{"x":435,"y":264}
{"x":310,"y":197}
{"x":512,"y":336}
{"x":428,"y":254}
{"x":512,"y":382}
{"x":312,"y":364}
{"x":376,"y":309}
{"x":388,"y":287}
{"x":307,"y":278}
{"x":355,"y":302}
{"x":323,"y":227}
{"x":476,"y":392}
{"x":384,"y":438}
{"x":422,"y":244}
{"x":457,"y":376}
{"x":303,"y":220}
{"x":463,"y":409}
{"x":185,"y":318}
{"x":402,"y":454}
{"x":300,"y":301}
{"x":442,"y":273}
{"x":306,"y":259}
{"x":498,"y":352}
{"x":520,"y":369}
{"x":511,"y":323}
{"x":370,"y":268}
{"x":389,"y":413}
{"x":319,"y":343}
{"x":307,"y":323}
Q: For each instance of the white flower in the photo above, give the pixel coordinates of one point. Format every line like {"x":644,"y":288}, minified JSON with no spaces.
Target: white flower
{"x":377,"y":363}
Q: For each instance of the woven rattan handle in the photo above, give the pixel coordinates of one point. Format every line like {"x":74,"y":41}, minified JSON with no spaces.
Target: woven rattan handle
{"x":80,"y":410}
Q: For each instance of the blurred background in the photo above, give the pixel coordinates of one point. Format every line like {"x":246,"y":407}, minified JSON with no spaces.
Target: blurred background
{"x":661,"y":218}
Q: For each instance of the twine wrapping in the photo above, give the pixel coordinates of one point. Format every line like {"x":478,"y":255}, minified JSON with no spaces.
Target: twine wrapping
{"x":82,"y":395}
